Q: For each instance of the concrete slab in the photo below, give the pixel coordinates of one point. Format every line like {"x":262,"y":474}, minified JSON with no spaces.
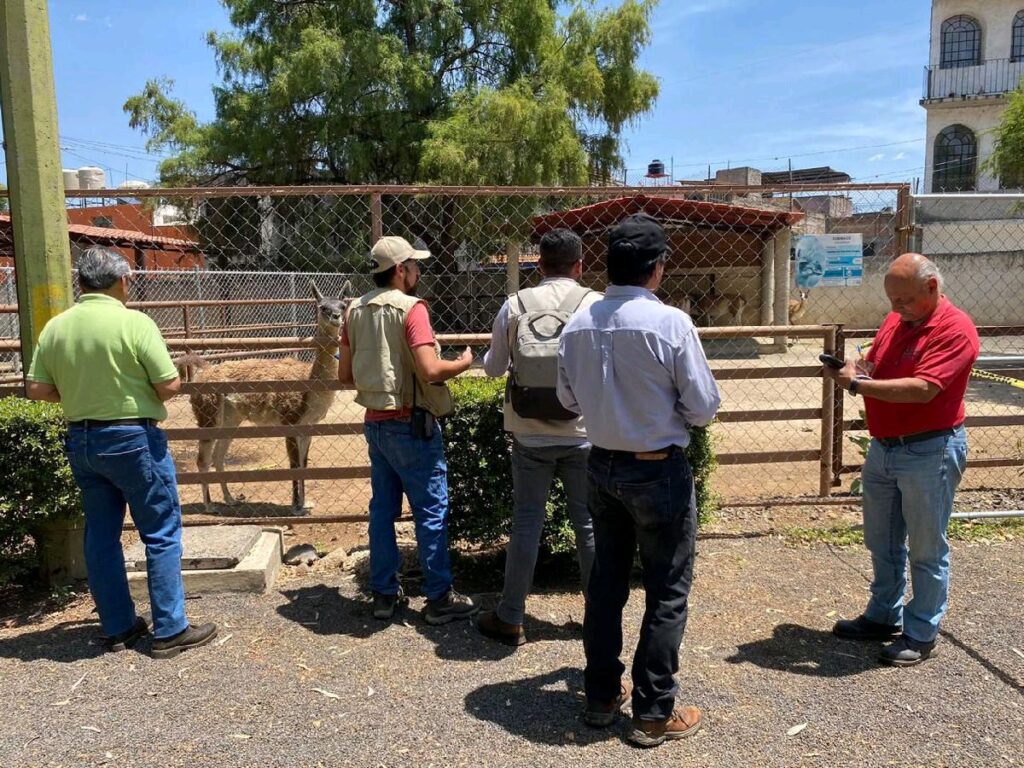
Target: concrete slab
{"x":204,"y":547}
{"x":255,"y":573}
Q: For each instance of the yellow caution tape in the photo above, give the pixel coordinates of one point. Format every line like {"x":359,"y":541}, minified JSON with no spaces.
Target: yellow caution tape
{"x":988,"y":376}
{"x":975,"y":372}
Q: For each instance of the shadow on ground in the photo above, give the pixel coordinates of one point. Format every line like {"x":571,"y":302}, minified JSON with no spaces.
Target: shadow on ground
{"x":324,"y":610}
{"x":804,"y":651}
{"x":66,"y":642}
{"x":544,"y":709}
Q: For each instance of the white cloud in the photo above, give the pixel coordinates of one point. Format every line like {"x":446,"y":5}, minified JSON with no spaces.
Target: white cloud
{"x":666,"y":21}
{"x":876,"y":158}
{"x":891,"y":120}
{"x":900,"y":156}
{"x":82,"y":18}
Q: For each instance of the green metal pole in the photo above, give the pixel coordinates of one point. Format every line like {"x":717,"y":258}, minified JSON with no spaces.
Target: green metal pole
{"x":42,"y":257}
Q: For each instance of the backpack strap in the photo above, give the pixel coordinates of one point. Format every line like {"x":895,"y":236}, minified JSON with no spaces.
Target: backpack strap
{"x":573,"y":299}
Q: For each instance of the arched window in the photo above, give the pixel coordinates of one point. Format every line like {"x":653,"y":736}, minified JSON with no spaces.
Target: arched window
{"x":961,"y":42}
{"x":956,"y":160}
{"x":1017,"y":47}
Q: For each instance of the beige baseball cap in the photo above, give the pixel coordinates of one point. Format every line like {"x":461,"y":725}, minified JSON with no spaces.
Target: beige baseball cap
{"x":392,"y":250}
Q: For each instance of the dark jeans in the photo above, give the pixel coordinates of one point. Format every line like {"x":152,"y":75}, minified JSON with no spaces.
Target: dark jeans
{"x":533,"y":470}
{"x":646,"y":504}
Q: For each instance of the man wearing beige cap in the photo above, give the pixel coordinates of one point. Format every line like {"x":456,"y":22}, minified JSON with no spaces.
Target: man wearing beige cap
{"x":388,"y":351}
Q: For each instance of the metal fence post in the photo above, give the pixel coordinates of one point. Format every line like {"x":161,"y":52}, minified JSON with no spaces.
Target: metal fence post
{"x":827,"y":407}
{"x":512,"y":252}
{"x":376,"y":219}
{"x":903,"y":220}
{"x":837,"y":413}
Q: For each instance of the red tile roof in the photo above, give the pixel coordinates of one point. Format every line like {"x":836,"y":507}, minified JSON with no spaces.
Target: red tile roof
{"x":109,"y":236}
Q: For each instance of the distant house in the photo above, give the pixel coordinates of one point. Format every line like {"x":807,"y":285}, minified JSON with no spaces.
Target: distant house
{"x":126,"y":228}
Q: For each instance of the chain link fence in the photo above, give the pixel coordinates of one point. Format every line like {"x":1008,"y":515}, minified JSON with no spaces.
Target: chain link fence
{"x":225,"y":270}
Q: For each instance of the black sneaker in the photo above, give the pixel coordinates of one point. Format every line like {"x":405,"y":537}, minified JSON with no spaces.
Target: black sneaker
{"x":190,"y":637}
{"x":449,"y":607}
{"x":125,"y":640}
{"x":863,"y":628}
{"x":906,"y":652}
{"x":384,"y":605}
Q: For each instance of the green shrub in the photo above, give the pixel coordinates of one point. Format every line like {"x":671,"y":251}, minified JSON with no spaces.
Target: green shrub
{"x":36,"y":484}
{"x":480,"y":471}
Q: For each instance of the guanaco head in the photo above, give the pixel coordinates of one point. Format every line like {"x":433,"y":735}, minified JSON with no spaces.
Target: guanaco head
{"x":330,"y":311}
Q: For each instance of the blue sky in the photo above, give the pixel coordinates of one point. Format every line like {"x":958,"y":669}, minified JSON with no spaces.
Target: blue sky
{"x":743,"y":82}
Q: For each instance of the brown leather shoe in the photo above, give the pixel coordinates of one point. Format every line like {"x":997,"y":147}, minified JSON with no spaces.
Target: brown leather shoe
{"x":683,"y":722}
{"x":601,"y":714}
{"x":491,"y":626}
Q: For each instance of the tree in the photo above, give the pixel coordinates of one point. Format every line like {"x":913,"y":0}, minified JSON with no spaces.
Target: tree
{"x":1007,"y":161}
{"x":410,"y":91}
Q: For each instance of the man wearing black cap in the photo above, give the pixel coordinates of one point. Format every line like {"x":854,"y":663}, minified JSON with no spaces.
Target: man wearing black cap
{"x":634,"y":368}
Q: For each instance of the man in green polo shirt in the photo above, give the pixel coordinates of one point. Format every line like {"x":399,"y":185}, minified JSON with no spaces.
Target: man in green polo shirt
{"x":108,"y":367}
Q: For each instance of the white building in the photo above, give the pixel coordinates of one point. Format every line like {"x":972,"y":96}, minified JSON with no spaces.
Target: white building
{"x":976,"y":61}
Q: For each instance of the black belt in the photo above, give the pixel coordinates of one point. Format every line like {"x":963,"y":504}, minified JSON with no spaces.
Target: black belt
{"x":892,"y":442}
{"x":87,"y":423}
{"x":655,"y":455}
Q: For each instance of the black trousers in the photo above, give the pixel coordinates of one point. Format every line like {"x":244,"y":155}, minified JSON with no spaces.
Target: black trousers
{"x":645,"y":504}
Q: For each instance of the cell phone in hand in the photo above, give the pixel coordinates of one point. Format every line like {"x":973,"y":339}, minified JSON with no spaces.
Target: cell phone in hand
{"x":831,"y":361}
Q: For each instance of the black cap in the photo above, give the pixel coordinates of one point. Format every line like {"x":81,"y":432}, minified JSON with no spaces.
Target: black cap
{"x":637,"y":238}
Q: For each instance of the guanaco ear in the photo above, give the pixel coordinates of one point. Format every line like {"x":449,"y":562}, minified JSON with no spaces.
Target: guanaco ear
{"x":316,"y":291}
{"x":346,"y":290}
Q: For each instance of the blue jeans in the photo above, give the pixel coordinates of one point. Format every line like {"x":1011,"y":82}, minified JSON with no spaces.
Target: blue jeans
{"x":401,"y":463}
{"x":533,"y":470}
{"x":115,"y":465}
{"x":645,"y":504}
{"x":908,"y":494}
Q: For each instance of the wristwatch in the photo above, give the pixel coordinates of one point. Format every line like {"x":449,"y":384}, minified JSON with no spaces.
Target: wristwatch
{"x":853,"y":387}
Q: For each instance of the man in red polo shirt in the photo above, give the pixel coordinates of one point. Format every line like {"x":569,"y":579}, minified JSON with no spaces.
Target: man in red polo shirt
{"x":913,"y":381}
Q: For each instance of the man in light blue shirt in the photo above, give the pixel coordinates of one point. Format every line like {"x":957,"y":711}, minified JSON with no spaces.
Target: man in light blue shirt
{"x":634,"y":368}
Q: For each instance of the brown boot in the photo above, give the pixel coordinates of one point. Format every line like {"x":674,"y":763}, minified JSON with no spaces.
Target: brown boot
{"x":683,"y":722}
{"x":491,"y":626}
{"x":601,"y":714}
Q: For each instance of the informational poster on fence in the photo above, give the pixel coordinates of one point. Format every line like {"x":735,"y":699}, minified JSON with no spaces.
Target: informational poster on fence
{"x":829,"y":261}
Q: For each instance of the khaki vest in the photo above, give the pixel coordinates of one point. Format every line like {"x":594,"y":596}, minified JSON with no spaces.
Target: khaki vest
{"x":549,"y":293}
{"x":382,"y":363}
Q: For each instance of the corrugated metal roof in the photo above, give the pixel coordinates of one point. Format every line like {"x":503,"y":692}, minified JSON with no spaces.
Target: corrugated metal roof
{"x":698,"y":213}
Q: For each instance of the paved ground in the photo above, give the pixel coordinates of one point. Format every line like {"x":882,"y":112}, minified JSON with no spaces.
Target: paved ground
{"x":757,"y":659}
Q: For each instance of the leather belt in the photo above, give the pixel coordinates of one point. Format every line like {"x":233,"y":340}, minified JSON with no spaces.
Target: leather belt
{"x":892,"y":442}
{"x":96,"y":423}
{"x":659,"y":455}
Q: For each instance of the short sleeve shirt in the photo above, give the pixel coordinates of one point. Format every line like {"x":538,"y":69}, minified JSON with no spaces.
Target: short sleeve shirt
{"x":103,"y":358}
{"x":418,"y":333}
{"x":941,"y":351}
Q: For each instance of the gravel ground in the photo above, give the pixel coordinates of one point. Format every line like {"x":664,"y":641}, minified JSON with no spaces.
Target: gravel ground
{"x":757,"y":658}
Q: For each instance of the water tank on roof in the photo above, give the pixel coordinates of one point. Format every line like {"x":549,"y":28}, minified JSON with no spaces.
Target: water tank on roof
{"x":70,"y":178}
{"x":133,"y":184}
{"x":655,"y":168}
{"x":91,"y":177}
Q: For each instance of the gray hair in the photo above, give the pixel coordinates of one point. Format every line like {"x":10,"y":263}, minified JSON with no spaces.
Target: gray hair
{"x":929,"y":269}
{"x":99,"y":268}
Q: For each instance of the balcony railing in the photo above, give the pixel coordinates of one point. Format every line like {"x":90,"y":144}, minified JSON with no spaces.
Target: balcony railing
{"x":990,"y":78}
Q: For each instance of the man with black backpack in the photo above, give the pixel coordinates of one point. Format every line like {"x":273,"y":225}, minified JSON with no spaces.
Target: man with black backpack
{"x":547,"y":439}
